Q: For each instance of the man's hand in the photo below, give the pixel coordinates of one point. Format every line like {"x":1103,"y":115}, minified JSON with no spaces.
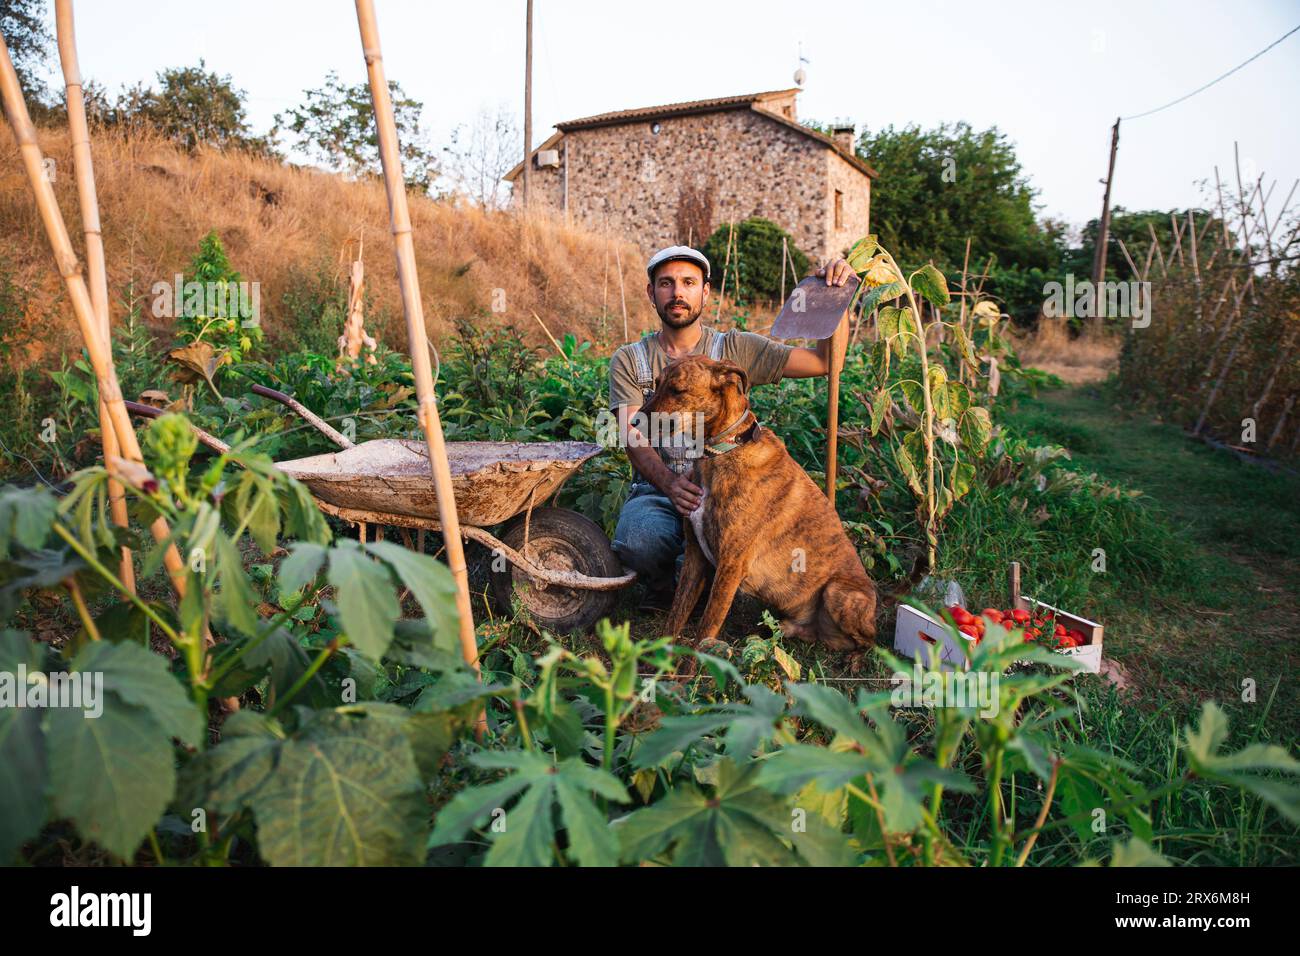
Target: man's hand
{"x":836,"y":272}
{"x":685,"y":495}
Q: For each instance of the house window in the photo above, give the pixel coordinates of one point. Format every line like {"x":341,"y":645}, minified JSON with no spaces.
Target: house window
{"x":839,"y":209}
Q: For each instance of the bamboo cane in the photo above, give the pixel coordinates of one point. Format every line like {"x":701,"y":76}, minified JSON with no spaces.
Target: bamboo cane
{"x":69,"y":267}
{"x":622,"y":292}
{"x":839,"y":343}
{"x":395,"y":185}
{"x":85,"y":172}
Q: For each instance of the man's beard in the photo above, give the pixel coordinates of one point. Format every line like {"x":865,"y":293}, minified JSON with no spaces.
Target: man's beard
{"x":679,"y":320}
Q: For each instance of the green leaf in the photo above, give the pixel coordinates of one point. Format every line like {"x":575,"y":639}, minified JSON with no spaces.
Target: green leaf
{"x":301,"y":566}
{"x":22,"y":753}
{"x":862,"y":252}
{"x":746,"y":725}
{"x":888,"y":321}
{"x":741,"y":825}
{"x":931,"y":285}
{"x":879,"y":406}
{"x":26,"y":515}
{"x":367,"y":605}
{"x":472,"y":807}
{"x":263,"y":514}
{"x":912,"y":392}
{"x":345,"y":792}
{"x":429,"y":580}
{"x":963,"y":479}
{"x":142,"y":678}
{"x":236,"y":601}
{"x":939,"y":392}
{"x":223,"y":779}
{"x":112,"y":775}
{"x":976,"y":428}
{"x":832,"y":710}
{"x":527,"y":834}
{"x":908,"y":469}
{"x":1136,"y":853}
{"x":794,"y":766}
{"x":881,"y":293}
{"x":1204,"y":741}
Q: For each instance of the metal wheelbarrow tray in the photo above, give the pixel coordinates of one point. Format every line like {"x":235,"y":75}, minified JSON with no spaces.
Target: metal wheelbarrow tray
{"x":387,"y":481}
{"x":493,"y":481}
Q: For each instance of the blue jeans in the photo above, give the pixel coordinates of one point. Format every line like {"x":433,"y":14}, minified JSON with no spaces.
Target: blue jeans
{"x":649,"y":538}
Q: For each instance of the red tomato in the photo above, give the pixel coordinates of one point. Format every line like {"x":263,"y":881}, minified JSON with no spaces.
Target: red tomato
{"x":1020,"y":615}
{"x":993,"y":614}
{"x":968,"y":629}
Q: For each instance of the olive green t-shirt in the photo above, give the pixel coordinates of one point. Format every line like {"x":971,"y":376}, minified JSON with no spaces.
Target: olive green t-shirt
{"x":762,"y":358}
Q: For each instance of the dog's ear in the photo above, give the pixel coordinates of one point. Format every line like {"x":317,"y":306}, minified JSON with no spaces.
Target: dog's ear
{"x":731,"y":372}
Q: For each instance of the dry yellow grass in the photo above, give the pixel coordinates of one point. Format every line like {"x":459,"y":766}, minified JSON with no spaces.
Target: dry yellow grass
{"x":276,"y":221}
{"x":1090,"y":357}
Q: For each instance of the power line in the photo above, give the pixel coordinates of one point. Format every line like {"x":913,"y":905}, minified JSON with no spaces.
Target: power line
{"x":1212,"y":82}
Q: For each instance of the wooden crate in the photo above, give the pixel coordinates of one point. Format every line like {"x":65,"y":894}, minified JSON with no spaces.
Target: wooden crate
{"x":1089,"y":654}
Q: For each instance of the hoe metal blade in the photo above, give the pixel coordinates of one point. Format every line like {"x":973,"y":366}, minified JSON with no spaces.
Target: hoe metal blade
{"x":814,"y":309}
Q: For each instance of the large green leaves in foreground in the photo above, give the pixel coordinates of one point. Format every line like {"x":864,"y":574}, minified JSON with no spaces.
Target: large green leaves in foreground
{"x":110,"y":762}
{"x":523,"y":835}
{"x":1243,"y":768}
{"x":343,"y":790}
{"x":741,"y":824}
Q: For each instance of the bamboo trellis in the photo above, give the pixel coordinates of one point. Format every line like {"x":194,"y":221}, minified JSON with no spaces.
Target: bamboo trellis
{"x":418,"y":343}
{"x":89,"y":201}
{"x":93,"y":333}
{"x":1244,"y":314}
{"x":90,"y":302}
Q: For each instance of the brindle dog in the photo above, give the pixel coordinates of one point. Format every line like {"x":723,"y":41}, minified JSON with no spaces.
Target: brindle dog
{"x":767,"y":529}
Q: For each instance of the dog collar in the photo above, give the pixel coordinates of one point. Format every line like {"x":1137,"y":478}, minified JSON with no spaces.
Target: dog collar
{"x":714,"y":446}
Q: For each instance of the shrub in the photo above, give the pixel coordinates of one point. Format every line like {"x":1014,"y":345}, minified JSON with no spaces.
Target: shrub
{"x":755,"y":268}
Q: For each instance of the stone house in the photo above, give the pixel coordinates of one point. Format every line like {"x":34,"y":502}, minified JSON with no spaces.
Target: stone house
{"x":667,"y":174}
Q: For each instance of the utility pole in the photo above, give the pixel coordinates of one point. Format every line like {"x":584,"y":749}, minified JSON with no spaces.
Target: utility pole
{"x":1103,"y":230}
{"x":528,"y":103}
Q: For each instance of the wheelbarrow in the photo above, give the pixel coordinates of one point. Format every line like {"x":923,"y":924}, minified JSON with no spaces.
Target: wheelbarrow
{"x":562,"y":561}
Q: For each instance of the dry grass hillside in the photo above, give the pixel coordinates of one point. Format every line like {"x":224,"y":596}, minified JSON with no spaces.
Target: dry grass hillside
{"x":287,"y":227}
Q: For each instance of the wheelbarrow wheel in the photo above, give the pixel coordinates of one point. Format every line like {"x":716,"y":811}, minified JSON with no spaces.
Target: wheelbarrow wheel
{"x":559,"y":540}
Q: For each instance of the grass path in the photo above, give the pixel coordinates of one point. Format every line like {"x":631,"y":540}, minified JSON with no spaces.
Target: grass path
{"x":1238,"y":617}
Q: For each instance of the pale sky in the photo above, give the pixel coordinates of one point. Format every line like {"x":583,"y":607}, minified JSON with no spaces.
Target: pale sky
{"x":1052,"y":75}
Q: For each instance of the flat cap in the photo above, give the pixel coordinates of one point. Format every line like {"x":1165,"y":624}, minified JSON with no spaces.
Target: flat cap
{"x":677,"y":254}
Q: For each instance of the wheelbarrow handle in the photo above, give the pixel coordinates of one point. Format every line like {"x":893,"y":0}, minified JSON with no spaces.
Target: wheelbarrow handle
{"x":148,"y":411}
{"x":311,"y":418}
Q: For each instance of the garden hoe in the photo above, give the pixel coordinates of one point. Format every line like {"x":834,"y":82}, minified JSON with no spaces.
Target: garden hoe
{"x":819,"y":311}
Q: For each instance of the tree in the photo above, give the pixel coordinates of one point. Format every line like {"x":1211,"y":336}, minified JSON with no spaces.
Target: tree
{"x":197,"y":107}
{"x":943,"y":185}
{"x":480,"y":155}
{"x":23,"y":27}
{"x":193,"y":107}
{"x":336,"y":126}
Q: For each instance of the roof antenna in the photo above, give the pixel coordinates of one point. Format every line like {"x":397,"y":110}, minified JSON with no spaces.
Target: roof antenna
{"x":799,"y":75}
